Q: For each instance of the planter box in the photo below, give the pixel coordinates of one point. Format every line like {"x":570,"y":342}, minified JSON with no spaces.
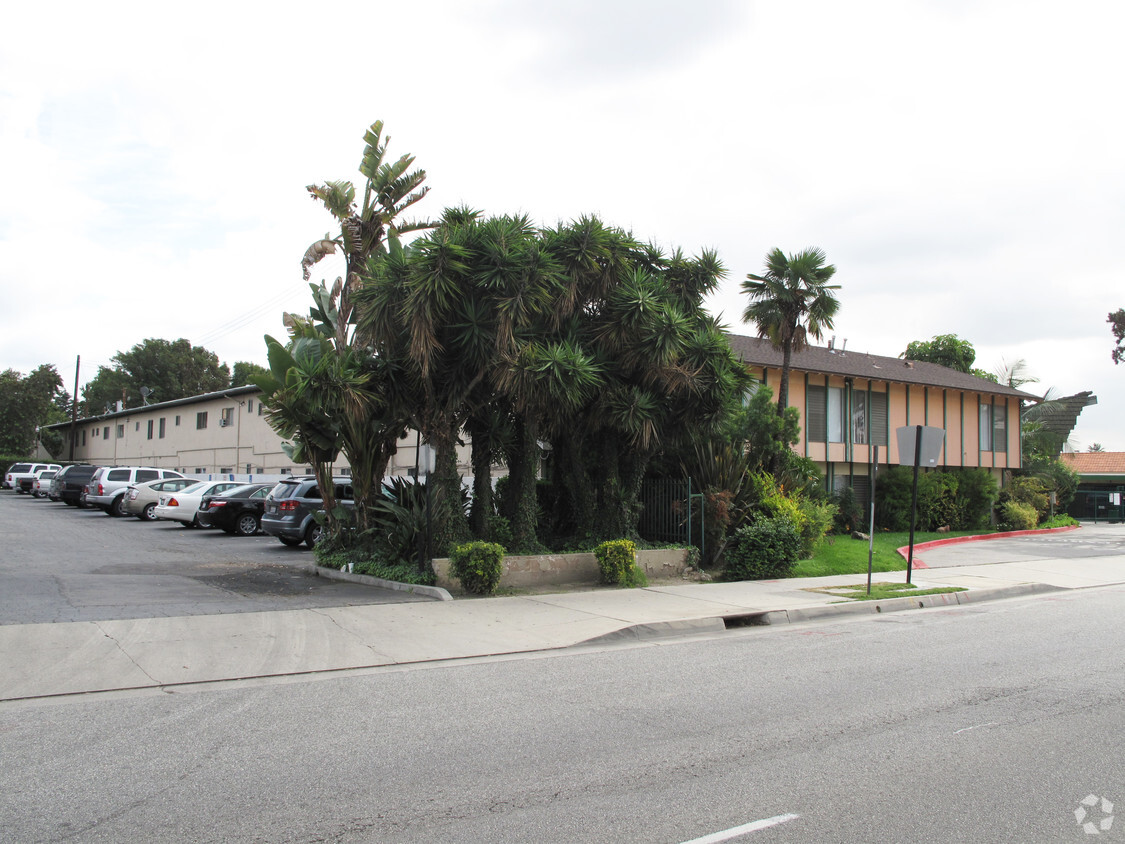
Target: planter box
{"x":554,"y":569}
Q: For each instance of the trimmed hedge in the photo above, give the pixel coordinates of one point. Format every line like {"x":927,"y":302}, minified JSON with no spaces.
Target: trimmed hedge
{"x":763,"y":550}
{"x":478,"y":565}
{"x":617,"y":560}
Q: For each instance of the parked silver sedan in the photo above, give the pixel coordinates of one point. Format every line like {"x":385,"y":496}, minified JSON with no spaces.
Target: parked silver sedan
{"x":141,"y":499}
{"x":183,"y":506}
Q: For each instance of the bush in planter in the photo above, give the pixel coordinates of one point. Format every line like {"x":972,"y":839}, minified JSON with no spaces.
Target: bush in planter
{"x":478,"y":565}
{"x":1017,"y":516}
{"x":617,"y":560}
{"x":1031,"y":492}
{"x":765,"y":549}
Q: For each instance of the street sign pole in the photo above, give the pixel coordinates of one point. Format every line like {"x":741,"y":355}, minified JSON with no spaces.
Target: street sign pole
{"x":914,"y":502}
{"x":871,"y":525}
{"x":917,"y":444}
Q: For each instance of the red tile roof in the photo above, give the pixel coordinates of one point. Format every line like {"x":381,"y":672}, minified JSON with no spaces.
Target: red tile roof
{"x":1096,"y":462}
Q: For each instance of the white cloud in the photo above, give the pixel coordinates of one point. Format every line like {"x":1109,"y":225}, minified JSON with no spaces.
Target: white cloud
{"x":957,"y":161}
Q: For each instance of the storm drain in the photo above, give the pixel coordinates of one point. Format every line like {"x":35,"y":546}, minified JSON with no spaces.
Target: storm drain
{"x":754,"y":619}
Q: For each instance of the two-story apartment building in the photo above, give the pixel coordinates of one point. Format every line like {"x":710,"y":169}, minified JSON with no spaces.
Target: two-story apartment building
{"x":224,"y":432}
{"x":850,"y":402}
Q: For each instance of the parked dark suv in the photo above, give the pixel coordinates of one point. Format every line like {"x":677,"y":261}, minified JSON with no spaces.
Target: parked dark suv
{"x":71,"y":482}
{"x":290,"y":507}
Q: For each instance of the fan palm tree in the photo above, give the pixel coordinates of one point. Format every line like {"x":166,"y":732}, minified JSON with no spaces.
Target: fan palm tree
{"x":791,"y":302}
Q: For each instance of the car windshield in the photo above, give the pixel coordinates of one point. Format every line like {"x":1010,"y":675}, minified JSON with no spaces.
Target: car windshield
{"x":196,"y":487}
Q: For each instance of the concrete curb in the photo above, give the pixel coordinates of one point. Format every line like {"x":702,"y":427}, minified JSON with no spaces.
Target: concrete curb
{"x":904,"y":551}
{"x":659,"y":630}
{"x":435,"y":592}
{"x":717,"y":624}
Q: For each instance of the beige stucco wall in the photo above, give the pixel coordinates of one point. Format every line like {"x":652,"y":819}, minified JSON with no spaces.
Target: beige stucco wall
{"x":246,"y":446}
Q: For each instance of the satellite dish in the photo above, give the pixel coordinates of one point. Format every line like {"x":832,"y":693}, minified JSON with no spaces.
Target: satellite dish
{"x":146,"y":392}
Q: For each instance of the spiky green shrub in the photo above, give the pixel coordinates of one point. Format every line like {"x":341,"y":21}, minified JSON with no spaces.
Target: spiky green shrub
{"x":478,"y":565}
{"x":617,"y":560}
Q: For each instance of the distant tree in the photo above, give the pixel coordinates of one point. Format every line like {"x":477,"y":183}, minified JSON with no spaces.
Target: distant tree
{"x":1117,"y":325}
{"x":245,"y":372}
{"x":1095,"y":447}
{"x":26,"y":403}
{"x":169,"y":369}
{"x":791,"y":302}
{"x":948,"y":350}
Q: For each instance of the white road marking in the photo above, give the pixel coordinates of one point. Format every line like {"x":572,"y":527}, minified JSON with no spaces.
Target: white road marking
{"x":975,"y":727}
{"x":745,"y":829}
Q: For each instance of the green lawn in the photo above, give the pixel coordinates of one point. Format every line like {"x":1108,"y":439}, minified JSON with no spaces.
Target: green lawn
{"x":883,"y":591}
{"x":844,"y":555}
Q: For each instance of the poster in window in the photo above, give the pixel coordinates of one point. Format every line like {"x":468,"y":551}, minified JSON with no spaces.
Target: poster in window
{"x":859,"y":418}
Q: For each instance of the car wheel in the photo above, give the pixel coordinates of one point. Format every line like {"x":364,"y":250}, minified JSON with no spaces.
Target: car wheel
{"x":313,"y":534}
{"x":148,"y":514}
{"x":246,"y":525}
{"x":117,"y":508}
{"x":290,"y":541}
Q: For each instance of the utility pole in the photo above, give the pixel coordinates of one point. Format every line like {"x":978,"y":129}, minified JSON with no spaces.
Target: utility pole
{"x":74,"y":408}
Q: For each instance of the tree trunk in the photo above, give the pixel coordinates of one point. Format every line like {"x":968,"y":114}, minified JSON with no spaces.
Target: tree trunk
{"x":521,"y":487}
{"x":783,"y":388}
{"x":480,"y":510}
{"x":322,"y":469}
{"x":448,"y":523}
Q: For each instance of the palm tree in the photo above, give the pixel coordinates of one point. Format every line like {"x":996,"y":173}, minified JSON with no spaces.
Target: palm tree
{"x":791,"y":302}
{"x":302,"y":392}
{"x":369,"y":419}
{"x":390,"y":189}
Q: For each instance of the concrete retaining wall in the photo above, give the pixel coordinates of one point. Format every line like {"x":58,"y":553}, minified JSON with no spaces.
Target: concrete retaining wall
{"x":553,"y":569}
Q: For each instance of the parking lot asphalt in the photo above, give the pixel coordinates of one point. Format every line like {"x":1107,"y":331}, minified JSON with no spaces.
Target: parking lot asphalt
{"x":60,"y":563}
{"x":131,"y":655}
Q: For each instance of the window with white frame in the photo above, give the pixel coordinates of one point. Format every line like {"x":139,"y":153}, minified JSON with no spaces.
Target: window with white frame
{"x":985,"y":427}
{"x":859,"y":417}
{"x":835,"y":414}
{"x":1000,"y":428}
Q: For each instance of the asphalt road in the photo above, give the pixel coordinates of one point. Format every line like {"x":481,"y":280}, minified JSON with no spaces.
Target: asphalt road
{"x":986,"y":723}
{"x":59,"y":563}
{"x":1092,"y":540}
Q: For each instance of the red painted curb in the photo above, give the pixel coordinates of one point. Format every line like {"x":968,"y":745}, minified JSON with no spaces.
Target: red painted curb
{"x":956,"y":540}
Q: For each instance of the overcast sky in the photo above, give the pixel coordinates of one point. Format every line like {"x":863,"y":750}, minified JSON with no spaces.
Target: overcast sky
{"x":960,"y":162}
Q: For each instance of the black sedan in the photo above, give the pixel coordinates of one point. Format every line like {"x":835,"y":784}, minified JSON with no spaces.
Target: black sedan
{"x":237,"y":511}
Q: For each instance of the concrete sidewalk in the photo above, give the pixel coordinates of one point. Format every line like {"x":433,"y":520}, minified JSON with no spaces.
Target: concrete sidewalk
{"x":43,"y":660}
